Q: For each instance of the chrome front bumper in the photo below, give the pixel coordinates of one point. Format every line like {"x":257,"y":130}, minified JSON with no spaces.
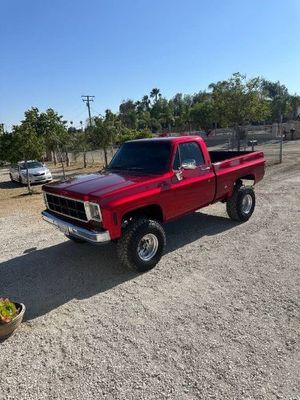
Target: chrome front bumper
{"x":74,"y":230}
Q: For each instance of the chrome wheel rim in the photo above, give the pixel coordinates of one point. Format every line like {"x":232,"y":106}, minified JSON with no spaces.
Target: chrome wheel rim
{"x":147,"y":247}
{"x":247,"y":204}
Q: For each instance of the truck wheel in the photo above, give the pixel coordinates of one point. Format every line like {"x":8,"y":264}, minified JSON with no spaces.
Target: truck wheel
{"x":75,"y":239}
{"x":142,"y":244}
{"x":241,"y":204}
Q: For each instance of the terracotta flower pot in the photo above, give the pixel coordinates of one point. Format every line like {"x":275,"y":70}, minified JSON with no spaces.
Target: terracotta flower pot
{"x":8,"y":328}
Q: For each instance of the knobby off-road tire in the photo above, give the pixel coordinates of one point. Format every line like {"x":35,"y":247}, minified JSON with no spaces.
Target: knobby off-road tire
{"x":142,"y":244}
{"x":241,"y":204}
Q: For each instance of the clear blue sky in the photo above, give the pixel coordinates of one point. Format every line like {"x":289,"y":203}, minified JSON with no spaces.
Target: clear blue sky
{"x":53,"y":51}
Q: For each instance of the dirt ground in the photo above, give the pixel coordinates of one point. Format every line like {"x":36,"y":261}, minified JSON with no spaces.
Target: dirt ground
{"x":218,"y":318}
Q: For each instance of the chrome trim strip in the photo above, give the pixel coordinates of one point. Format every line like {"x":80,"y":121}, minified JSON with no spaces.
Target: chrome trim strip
{"x":64,"y":197}
{"x":75,"y":230}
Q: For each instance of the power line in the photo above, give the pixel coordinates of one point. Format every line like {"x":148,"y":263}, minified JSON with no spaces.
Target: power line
{"x":88,"y":99}
{"x":96,"y":112}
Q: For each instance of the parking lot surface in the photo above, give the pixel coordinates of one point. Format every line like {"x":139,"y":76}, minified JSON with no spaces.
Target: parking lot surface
{"x":218,"y":318}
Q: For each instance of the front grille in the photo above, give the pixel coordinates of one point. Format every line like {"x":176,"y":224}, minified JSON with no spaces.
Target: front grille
{"x":42,"y":173}
{"x":68,"y":207}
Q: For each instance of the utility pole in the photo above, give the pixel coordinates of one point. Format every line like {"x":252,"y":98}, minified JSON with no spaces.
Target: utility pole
{"x":88,"y":99}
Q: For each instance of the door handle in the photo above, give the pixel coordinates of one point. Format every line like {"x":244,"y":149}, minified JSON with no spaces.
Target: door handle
{"x":205,"y":168}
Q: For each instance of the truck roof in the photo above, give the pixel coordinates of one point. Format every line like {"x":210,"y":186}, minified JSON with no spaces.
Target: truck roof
{"x":172,"y":139}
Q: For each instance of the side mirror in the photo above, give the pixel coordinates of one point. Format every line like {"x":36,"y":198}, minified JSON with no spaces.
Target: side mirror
{"x":189,"y":163}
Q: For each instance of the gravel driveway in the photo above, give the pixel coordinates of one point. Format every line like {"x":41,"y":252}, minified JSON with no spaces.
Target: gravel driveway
{"x":218,"y":318}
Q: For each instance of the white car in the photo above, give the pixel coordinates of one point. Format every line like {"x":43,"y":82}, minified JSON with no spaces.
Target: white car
{"x":38,"y":172}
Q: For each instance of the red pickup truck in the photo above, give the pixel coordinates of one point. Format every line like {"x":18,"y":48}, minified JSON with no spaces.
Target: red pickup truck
{"x":147,"y":183}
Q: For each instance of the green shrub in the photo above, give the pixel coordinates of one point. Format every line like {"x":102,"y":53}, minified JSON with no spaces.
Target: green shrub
{"x":7,"y":310}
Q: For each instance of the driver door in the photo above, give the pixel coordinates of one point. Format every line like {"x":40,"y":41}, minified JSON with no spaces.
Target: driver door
{"x":193,"y":188}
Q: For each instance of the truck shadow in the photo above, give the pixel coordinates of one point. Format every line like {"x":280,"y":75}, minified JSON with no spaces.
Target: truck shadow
{"x":194,"y":226}
{"x":46,"y":279}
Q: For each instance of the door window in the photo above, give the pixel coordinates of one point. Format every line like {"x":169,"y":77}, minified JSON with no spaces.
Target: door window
{"x":189,"y":151}
{"x":176,"y":165}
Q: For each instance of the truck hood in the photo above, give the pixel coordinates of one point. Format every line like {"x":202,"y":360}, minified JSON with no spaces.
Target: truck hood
{"x":97,"y":185}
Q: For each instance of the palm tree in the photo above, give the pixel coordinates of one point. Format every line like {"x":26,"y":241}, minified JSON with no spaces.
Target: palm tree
{"x":145,"y":102}
{"x":295,"y":105}
{"x":154,"y":94}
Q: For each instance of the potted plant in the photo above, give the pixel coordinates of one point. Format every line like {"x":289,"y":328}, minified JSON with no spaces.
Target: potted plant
{"x":11,"y":316}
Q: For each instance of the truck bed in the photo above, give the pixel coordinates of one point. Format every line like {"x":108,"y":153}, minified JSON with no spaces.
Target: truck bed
{"x":229,"y":166}
{"x":225,"y":159}
{"x":217,"y":156}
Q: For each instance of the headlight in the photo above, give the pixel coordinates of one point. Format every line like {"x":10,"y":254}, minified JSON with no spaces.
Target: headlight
{"x":93,"y":211}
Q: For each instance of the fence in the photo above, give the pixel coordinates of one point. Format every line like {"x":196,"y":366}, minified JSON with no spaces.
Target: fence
{"x":266,"y":138}
{"x":92,"y":157}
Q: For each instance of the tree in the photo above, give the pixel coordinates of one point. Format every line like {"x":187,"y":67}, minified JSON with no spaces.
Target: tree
{"x":51,"y":127}
{"x":25,"y":145}
{"x":80,"y":142}
{"x":145,"y":103}
{"x":278,"y":97}
{"x":7,"y":147}
{"x":54,"y":130}
{"x":180,"y":113}
{"x":234,"y":102}
{"x":203,"y":115}
{"x":295,"y":106}
{"x":238,"y":102}
{"x":155,"y":93}
{"x":105,"y":131}
{"x":128,"y":113}
{"x":144,"y":120}
{"x":162,"y":113}
{"x":132,"y":134}
{"x":37,"y":132}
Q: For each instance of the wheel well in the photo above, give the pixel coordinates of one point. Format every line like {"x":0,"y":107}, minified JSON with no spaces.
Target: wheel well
{"x":249,"y":177}
{"x":153,"y":211}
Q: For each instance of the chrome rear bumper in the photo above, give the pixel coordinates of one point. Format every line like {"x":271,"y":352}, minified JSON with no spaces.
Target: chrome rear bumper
{"x":74,"y":230}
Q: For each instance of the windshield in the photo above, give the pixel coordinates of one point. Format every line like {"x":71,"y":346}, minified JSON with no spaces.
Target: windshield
{"x":31,"y":164}
{"x":143,"y":156}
